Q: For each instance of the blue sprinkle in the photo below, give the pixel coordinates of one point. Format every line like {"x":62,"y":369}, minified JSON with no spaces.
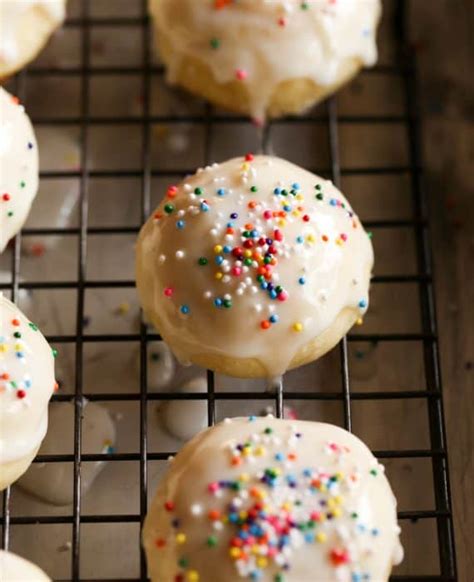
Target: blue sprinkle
{"x":30,"y":145}
{"x":273,"y":318}
{"x":27,"y":383}
{"x":362,"y":303}
{"x":263,"y":285}
{"x":375,"y":532}
{"x":333,"y":202}
{"x":273,"y":294}
{"x":301,"y":280}
{"x":180,"y":224}
{"x":221,"y":192}
{"x":218,"y":302}
{"x":204,"y":207}
{"x":252,"y":418}
{"x":255,"y":575}
{"x":20,"y":355}
{"x":287,"y":208}
{"x":309,"y":537}
{"x":279,"y":456}
{"x":277,"y":191}
{"x":299,"y":239}
{"x":227,"y":249}
{"x":296,"y":186}
{"x":184,"y":309}
{"x":254,"y":233}
{"x":307,"y":473}
{"x":230,"y":224}
{"x":219,"y":259}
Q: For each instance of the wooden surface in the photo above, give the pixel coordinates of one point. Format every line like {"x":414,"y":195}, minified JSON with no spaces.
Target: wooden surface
{"x":441,"y":30}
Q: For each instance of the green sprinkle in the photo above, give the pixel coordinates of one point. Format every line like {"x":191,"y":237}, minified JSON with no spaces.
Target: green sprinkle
{"x":279,"y":577}
{"x":22,"y":184}
{"x":55,"y":352}
{"x":254,"y":189}
{"x":304,"y":6}
{"x":373,"y":472}
{"x":17,"y":334}
{"x":215,"y":43}
{"x":227,"y":303}
{"x":33,"y":326}
{"x":318,"y":187}
{"x":319,"y":196}
{"x":169,"y":208}
{"x":198,"y":191}
{"x":212,"y":541}
{"x":183,"y":563}
{"x":10,"y":214}
{"x":268,"y":430}
{"x":203,"y":261}
{"x":370,"y":234}
{"x":354,"y":515}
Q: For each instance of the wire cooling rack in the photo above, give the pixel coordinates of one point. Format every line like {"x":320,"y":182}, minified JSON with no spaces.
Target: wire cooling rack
{"x":211,"y":121}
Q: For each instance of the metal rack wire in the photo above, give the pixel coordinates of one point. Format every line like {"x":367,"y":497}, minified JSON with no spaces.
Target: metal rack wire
{"x":431,"y":392}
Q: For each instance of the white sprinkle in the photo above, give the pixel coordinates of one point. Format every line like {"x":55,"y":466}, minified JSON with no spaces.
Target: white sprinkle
{"x":226,"y":278}
{"x":196,"y":509}
{"x":213,"y":232}
{"x":257,"y":307}
{"x":240,"y":291}
{"x":180,"y":255}
{"x":161,"y":259}
{"x":228,"y":296}
{"x":207,"y":294}
{"x":187,"y":187}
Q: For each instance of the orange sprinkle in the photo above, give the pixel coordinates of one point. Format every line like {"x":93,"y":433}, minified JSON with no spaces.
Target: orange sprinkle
{"x":325,"y":238}
{"x":214,"y":514}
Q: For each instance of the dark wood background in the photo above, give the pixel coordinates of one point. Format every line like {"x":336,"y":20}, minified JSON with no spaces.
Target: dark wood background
{"x":443,"y":32}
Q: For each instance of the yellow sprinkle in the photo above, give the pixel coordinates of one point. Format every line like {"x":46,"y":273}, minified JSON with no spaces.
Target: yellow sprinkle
{"x":218,"y":275}
{"x":247,"y":253}
{"x":310,"y":238}
{"x":340,"y":475}
{"x":3,"y":348}
{"x":245,"y":477}
{"x":338,"y":500}
{"x":323,"y":487}
{"x":193,"y":576}
{"x":287,"y":506}
{"x":123,"y":308}
{"x":243,"y":514}
{"x":245,"y":166}
{"x":298,"y":326}
{"x":234,"y":553}
{"x":336,"y":512}
{"x":259,"y":451}
{"x":296,"y":213}
{"x":262,"y":562}
{"x":255,"y":549}
{"x":18,"y":347}
{"x":299,"y":197}
{"x":321,"y":537}
{"x":180,"y":538}
{"x":360,"y":321}
{"x":339,"y":242}
{"x":331,"y":503}
{"x":246,"y":451}
{"x":218,"y":249}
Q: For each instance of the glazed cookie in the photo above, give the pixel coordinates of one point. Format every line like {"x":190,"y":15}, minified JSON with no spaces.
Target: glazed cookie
{"x":18,"y":167}
{"x":26,"y":385}
{"x":265,"y":58}
{"x":52,"y":482}
{"x":26,"y":27}
{"x":273,"y":500}
{"x":13,"y":568}
{"x":253,"y":266}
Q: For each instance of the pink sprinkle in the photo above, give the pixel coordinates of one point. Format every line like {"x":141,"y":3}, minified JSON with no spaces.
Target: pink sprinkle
{"x":241,"y":74}
{"x":213,"y":487}
{"x":236,"y":271}
{"x":267,"y":214}
{"x":344,"y":236}
{"x":168,"y":291}
{"x":283,"y":296}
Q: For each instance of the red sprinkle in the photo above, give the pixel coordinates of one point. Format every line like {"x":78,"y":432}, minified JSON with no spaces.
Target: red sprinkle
{"x":249,"y":157}
{"x":21,"y":394}
{"x":339,"y":557}
{"x":6,"y":197}
{"x":168,"y":291}
{"x":169,"y":505}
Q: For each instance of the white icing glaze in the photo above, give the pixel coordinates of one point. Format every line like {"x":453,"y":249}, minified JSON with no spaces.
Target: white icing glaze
{"x":11,"y":14}
{"x":160,"y":366}
{"x":324,"y":259}
{"x":26,"y":383}
{"x":18,"y":167}
{"x":185,"y":418}
{"x":52,"y":482}
{"x":328,"y":510}
{"x":265,"y":42}
{"x":14,"y":568}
